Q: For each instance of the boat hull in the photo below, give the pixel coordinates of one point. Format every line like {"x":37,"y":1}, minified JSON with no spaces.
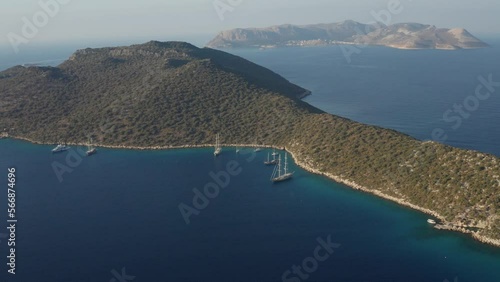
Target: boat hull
{"x":282,"y":178}
{"x":60,"y":150}
{"x":91,"y":152}
{"x":271,"y":163}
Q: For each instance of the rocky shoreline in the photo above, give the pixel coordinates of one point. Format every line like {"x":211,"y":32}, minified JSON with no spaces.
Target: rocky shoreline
{"x":144,"y":148}
{"x":443,"y":224}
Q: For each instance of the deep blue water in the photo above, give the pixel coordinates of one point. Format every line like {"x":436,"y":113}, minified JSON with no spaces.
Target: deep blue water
{"x":408,"y":91}
{"x":119,"y":209}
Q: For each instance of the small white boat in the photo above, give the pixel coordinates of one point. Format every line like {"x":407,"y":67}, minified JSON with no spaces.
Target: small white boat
{"x":274,"y":161}
{"x":431,"y":221}
{"x":257,"y":150}
{"x":91,"y":150}
{"x":60,"y":148}
{"x":218,"y":148}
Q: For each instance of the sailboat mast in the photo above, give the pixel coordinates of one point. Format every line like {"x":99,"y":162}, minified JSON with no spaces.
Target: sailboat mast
{"x":285,"y":163}
{"x":279,"y":167}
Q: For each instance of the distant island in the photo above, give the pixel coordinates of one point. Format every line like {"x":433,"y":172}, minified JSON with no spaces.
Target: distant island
{"x":172,"y":94}
{"x":401,"y":36}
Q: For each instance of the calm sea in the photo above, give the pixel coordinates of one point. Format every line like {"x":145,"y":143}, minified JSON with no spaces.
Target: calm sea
{"x":409,"y":91}
{"x":115,"y":216}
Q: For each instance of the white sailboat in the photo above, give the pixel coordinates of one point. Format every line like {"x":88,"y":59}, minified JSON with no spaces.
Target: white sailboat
{"x":257,"y":149}
{"x":278,"y":175}
{"x":90,"y":148}
{"x":274,"y":152}
{"x":60,"y":148}
{"x":274,"y":161}
{"x":218,"y":148}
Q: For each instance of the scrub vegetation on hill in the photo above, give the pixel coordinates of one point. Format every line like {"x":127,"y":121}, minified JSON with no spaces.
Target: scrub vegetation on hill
{"x":173,"y":94}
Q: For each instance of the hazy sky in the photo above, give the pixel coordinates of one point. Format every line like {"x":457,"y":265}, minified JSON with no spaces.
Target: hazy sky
{"x":122,"y":20}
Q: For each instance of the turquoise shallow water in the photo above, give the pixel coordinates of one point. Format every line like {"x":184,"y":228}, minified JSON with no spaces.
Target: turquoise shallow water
{"x":120,"y":209}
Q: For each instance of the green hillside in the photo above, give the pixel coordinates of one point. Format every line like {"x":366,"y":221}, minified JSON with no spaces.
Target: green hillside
{"x":173,"y":93}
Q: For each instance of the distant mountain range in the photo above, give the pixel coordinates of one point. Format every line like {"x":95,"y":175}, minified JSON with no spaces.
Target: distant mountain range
{"x":401,"y":36}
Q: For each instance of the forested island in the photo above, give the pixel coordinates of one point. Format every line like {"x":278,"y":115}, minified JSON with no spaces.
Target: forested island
{"x":173,"y":94}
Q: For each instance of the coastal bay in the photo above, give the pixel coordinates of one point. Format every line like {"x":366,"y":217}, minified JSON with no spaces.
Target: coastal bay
{"x":302,"y":163}
{"x":260,"y":107}
{"x":126,"y":204}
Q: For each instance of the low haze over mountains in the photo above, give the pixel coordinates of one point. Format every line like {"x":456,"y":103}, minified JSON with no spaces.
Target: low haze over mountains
{"x":401,"y":36}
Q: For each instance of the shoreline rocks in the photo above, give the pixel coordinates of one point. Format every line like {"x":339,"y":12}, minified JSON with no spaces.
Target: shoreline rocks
{"x":443,"y":224}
